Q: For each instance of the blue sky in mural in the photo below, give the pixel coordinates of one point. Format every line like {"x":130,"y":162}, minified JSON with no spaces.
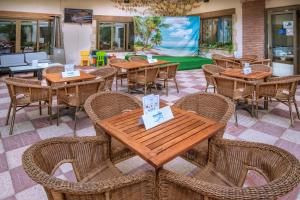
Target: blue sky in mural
{"x":183,"y":32}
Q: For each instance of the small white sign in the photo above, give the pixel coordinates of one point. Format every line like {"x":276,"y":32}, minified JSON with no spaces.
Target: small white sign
{"x":247,"y":70}
{"x":69,"y":74}
{"x":152,"y":61}
{"x":157,"y":117}
{"x":288,"y":24}
{"x":150,"y":103}
{"x":289,"y":32}
{"x":69,"y":67}
{"x":149,"y":56}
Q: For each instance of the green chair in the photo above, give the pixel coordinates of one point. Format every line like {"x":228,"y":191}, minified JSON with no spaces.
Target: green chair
{"x":100,"y":58}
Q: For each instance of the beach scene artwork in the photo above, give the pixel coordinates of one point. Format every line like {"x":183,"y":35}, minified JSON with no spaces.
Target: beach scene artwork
{"x":167,"y":36}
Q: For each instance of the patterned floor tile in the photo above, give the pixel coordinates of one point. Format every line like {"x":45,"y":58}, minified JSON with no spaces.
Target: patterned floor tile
{"x":271,"y":129}
{"x":6,"y":186}
{"x":256,"y":136}
{"x":20,"y":179}
{"x":14,"y":157}
{"x":292,"y":136}
{"x":54,"y":131}
{"x":36,"y":192}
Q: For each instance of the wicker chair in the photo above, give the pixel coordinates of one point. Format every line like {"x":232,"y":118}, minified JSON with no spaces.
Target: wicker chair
{"x":120,"y":74}
{"x":263,"y":62}
{"x":224,"y":175}
{"x":108,"y":74}
{"x":145,"y":77}
{"x":53,"y":70}
{"x":227,"y":63}
{"x":97,"y":178}
{"x":137,"y":58}
{"x":283,"y":89}
{"x":210,"y":70}
{"x":105,"y":105}
{"x":167,"y":72}
{"x":213,"y":106}
{"x":24,"y":92}
{"x":235,"y":89}
{"x":249,"y":58}
{"x":261,"y":67}
{"x":217,"y":56}
{"x":75,"y":94}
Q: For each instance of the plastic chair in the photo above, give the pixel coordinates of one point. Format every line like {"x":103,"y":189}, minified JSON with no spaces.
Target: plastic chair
{"x":85,"y":58}
{"x":100,"y":58}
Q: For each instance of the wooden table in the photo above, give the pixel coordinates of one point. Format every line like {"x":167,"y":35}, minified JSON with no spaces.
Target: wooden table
{"x":238,"y":73}
{"x":164,"y":142}
{"x":135,"y":64}
{"x":57,"y":78}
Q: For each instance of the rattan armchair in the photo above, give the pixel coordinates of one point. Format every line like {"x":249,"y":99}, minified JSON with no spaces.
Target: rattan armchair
{"x":53,"y":70}
{"x":261,"y":68}
{"x":120,"y":73}
{"x":235,"y":89}
{"x":263,"y":62}
{"x":213,"y":106}
{"x":224,"y":175}
{"x":24,"y":92}
{"x":249,"y":58}
{"x":282,"y":89}
{"x":97,"y":178}
{"x":227,"y":63}
{"x":167,"y":72}
{"x":75,"y":94}
{"x":210,"y":70}
{"x":137,"y":58}
{"x":107,"y":74}
{"x":145,"y":77}
{"x":105,"y":105}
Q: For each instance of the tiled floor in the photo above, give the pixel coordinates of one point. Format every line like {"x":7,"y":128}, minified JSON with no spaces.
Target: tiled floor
{"x":272,"y":127}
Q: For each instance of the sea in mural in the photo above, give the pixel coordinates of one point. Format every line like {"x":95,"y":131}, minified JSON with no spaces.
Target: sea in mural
{"x":171,"y":36}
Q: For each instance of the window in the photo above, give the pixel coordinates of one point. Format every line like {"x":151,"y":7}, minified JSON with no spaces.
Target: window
{"x":7,"y":36}
{"x":216,"y":32}
{"x":115,"y":36}
{"x":25,"y":36}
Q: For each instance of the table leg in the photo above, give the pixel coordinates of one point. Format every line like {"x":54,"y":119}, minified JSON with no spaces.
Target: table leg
{"x":39,"y":75}
{"x":11,"y":74}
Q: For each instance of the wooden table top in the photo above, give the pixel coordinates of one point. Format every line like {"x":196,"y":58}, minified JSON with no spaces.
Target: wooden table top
{"x":165,"y":141}
{"x":137,"y":64}
{"x":238,"y":73}
{"x":57,"y":77}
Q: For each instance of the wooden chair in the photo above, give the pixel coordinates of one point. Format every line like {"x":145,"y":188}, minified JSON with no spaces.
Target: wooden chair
{"x":224,"y":175}
{"x":120,"y":73}
{"x":167,"y":72}
{"x":282,"y":89}
{"x":24,"y":92}
{"x":213,"y":106}
{"x":97,"y":177}
{"x":263,"y":62}
{"x":210,"y":70}
{"x":137,"y":58}
{"x":217,"y":56}
{"x":235,"y":89}
{"x":250,"y":58}
{"x":227,"y":63}
{"x":105,"y":105}
{"x":75,"y":94}
{"x":106,"y":73}
{"x":145,"y":77}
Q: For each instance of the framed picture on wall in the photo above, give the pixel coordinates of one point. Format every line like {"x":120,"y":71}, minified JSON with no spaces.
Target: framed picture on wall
{"x":80,"y":16}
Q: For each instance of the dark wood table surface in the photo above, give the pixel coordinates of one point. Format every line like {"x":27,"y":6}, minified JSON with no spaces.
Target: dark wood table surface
{"x":238,"y":73}
{"x":137,"y":64}
{"x":57,"y":77}
{"x":164,"y":142}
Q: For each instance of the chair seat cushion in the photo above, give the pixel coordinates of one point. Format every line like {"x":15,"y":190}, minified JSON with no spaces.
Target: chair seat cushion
{"x":106,"y":171}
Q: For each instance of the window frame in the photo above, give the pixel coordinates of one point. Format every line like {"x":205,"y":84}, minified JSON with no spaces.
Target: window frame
{"x":212,"y":18}
{"x":126,"y":36}
{"x":18,"y":38}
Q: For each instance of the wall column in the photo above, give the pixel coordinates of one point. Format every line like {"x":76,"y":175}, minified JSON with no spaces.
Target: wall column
{"x":254,"y":27}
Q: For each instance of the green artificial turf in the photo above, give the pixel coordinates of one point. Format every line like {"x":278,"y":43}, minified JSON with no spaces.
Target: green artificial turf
{"x":185,"y":62}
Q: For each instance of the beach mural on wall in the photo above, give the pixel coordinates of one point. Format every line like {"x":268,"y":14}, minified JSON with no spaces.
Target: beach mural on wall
{"x":171,"y":36}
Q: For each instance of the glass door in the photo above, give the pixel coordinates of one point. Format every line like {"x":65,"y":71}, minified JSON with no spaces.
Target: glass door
{"x":282,"y":44}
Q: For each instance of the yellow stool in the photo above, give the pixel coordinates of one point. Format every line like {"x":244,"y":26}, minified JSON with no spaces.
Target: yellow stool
{"x":85,"y":58}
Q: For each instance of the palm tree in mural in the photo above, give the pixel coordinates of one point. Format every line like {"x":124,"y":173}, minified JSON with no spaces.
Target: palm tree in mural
{"x":148,"y":29}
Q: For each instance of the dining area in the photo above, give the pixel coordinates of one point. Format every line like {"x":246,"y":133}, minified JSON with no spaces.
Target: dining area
{"x":203,"y":151}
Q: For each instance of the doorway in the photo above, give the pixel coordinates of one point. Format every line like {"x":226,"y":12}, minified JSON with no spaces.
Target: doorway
{"x":283,"y":41}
